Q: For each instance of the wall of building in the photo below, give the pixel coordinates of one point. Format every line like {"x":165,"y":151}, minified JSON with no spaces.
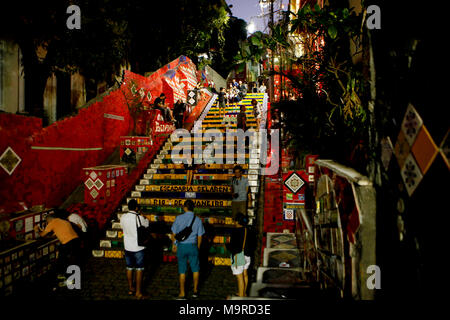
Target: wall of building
{"x":219,"y":81}
{"x":12,"y":82}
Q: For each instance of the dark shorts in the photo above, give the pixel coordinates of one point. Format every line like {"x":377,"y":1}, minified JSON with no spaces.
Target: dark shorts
{"x":135,"y":260}
{"x":187,"y":252}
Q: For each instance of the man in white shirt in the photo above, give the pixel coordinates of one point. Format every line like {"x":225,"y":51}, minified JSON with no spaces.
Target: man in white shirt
{"x":79,"y":221}
{"x":134,"y":254}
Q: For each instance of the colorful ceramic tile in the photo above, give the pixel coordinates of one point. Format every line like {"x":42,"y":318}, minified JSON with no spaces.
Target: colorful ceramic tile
{"x":411,"y":124}
{"x":401,"y":149}
{"x":9,"y":160}
{"x":424,"y":150}
{"x":18,"y":226}
{"x":282,"y":258}
{"x":93,"y":175}
{"x":89,"y":183}
{"x":288,"y":214}
{"x":94,"y":193}
{"x":294,"y":182}
{"x":99,"y":184}
{"x":281,"y":240}
{"x":411,"y":174}
{"x":386,"y":152}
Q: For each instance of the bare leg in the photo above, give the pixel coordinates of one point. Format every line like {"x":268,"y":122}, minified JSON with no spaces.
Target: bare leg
{"x":245,"y":282}
{"x":182,"y":281}
{"x":196,"y":276}
{"x":240,"y":281}
{"x":189,"y":177}
{"x":139,"y":274}
{"x":130,"y":280}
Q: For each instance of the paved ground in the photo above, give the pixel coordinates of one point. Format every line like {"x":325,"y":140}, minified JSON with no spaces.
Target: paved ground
{"x":105,"y":279}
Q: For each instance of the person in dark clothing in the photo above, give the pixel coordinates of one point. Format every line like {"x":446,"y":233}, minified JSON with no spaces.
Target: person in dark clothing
{"x":222,"y":102}
{"x":178,"y":110}
{"x":160,"y":104}
{"x":243,"y":244}
{"x":242,"y":119}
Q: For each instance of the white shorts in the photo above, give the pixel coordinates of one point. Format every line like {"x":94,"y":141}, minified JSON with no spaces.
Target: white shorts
{"x":240,"y":269}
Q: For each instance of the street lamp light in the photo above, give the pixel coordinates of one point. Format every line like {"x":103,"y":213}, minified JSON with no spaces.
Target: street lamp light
{"x":251,"y":27}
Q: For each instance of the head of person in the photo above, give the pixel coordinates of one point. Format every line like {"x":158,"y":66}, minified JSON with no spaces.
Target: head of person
{"x":242,"y":108}
{"x":242,"y":219}
{"x":237,"y":170}
{"x":222,"y":89}
{"x":254,"y":102}
{"x":240,"y":81}
{"x":132,"y":205}
{"x":50,"y":217}
{"x":61,"y":213}
{"x":162,"y":96}
{"x":188,"y":206}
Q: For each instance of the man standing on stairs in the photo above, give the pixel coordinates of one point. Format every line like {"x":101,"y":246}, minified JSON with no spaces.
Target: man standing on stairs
{"x":134,"y":254}
{"x":222,"y":102}
{"x":240,"y":193}
{"x":188,"y":250}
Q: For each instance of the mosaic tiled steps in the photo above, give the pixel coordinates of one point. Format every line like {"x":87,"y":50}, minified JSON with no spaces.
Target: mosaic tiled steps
{"x":282,"y":265}
{"x":162,"y":190}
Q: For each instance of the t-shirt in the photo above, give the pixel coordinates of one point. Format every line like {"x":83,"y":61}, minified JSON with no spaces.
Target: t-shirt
{"x":179,"y":108}
{"x":221,"y":96}
{"x":74,"y":218}
{"x":241,"y":121}
{"x":183,"y":221}
{"x":158,"y":101}
{"x":128,"y":223}
{"x":240,"y":187}
{"x":62,"y":229}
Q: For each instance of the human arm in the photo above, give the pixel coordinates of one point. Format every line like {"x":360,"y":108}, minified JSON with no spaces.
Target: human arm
{"x":199,"y":241}
{"x":44,"y":232}
{"x":174,"y":243}
{"x":200,"y":233}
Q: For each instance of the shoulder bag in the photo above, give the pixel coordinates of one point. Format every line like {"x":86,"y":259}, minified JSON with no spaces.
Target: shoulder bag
{"x":239,"y":259}
{"x":185,"y":233}
{"x":143,"y":233}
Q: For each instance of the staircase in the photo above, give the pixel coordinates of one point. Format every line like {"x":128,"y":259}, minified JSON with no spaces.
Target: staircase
{"x":162,"y":190}
{"x":283,"y":268}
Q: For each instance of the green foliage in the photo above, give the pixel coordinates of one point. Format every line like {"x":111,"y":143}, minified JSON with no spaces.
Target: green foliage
{"x":145,"y":34}
{"x":336,"y":115}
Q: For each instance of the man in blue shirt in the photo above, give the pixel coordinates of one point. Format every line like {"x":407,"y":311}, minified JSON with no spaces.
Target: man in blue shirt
{"x":188,"y":249}
{"x":240,"y":193}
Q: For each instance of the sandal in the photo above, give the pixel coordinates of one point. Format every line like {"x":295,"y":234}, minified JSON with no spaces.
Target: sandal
{"x":131,"y":293}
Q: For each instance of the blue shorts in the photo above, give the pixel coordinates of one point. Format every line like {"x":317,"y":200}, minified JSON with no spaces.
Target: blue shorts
{"x":187,"y":252}
{"x":135,"y":260}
